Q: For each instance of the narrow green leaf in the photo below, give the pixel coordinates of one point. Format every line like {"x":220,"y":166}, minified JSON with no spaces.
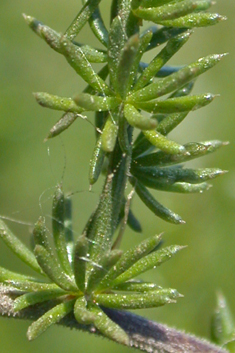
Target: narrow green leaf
{"x":222,"y":324}
{"x":133,"y":286}
{"x":92,"y":55}
{"x":103,"y":74}
{"x":98,"y":27}
{"x":68,"y":228}
{"x":78,"y":61}
{"x":175,"y":105}
{"x":81,"y":19}
{"x":49,"y":318}
{"x":123,"y":26}
{"x":48,"y":34}
{"x":100,"y":118}
{"x":187,"y":188}
{"x":64,"y":123}
{"x":18,"y":248}
{"x":129,"y":258}
{"x":109,"y":135}
{"x":159,"y":210}
{"x":123,"y":132}
{"x":52,"y":268}
{"x":148,"y":262}
{"x":98,"y":272}
{"x":96,"y":161}
{"x":132,"y":221}
{"x":39,"y":235}
{"x":151,"y":299}
{"x":172,"y":10}
{"x":176,"y":80}
{"x":53,"y":39}
{"x":124,"y":74}
{"x":7,"y":275}
{"x":28,"y":299}
{"x":170,"y":185}
{"x":152,"y":3}
{"x":95,"y":103}
{"x":161,"y":142}
{"x":32,"y":285}
{"x":58,"y":230}
{"x":138,"y":120}
{"x":165,"y":178}
{"x":144,"y":40}
{"x":109,"y":328}
{"x":173,"y":45}
{"x":82,"y":314}
{"x":167,"y":70}
{"x":114,"y":9}
{"x":163,"y":35}
{"x":195,"y":20}
{"x":104,"y":221}
{"x":141,"y":146}
{"x":170,"y":121}
{"x":81,"y":257}
{"x":57,"y":103}
{"x":194,"y":150}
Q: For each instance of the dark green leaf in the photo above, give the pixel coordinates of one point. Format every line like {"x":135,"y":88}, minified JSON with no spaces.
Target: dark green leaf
{"x":68,"y":231}
{"x":98,"y":27}
{"x":158,"y":209}
{"x":194,"y":150}
{"x":163,"y":34}
{"x":162,"y":178}
{"x":58,"y":229}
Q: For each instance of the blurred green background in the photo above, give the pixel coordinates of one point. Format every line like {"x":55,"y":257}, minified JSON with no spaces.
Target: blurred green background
{"x":29,"y":170}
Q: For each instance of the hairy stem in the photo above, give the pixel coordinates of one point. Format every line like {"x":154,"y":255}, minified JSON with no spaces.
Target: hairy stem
{"x":144,"y":334}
